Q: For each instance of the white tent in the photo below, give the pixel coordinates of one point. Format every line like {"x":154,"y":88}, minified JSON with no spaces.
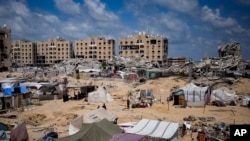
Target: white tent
{"x":245,"y":101}
{"x":75,"y":125}
{"x":156,"y":129}
{"x":100,"y":96}
{"x":92,"y":116}
{"x":223,"y":94}
{"x":196,"y":96}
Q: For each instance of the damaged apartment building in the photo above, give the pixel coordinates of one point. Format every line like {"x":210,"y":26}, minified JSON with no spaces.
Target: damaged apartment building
{"x":151,"y":48}
{"x":53,"y":51}
{"x":23,"y":53}
{"x":95,"y":48}
{"x":5,"y":48}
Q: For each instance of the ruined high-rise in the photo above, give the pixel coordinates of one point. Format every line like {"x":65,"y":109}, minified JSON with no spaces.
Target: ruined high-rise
{"x":5,"y":48}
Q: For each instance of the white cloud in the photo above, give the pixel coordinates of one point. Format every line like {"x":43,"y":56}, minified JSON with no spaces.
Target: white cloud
{"x":51,"y":18}
{"x":68,"y":6}
{"x":179,"y":5}
{"x":20,"y":9}
{"x":213,"y":17}
{"x":98,"y":11}
{"x":165,"y":24}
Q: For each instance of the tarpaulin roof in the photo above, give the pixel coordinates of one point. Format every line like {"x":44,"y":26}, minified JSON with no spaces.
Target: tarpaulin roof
{"x":223,"y":94}
{"x":100,"y":96}
{"x":155,"y":128}
{"x":93,"y":116}
{"x":195,"y":95}
{"x":97,"y":131}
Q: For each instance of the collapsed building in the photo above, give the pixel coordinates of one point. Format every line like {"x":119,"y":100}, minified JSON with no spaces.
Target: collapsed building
{"x":229,"y":49}
{"x":228,"y":62}
{"x":5,"y":48}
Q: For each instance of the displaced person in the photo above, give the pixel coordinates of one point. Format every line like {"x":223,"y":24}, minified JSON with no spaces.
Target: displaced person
{"x":183,"y":130}
{"x":115,"y":121}
{"x":128,"y":103}
{"x":151,"y":102}
{"x":104,"y":106}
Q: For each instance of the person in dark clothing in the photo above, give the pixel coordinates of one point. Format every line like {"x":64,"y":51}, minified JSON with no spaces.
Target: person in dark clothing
{"x":128,"y":103}
{"x":115,"y":121}
{"x":104,"y":106}
{"x":183,"y":130}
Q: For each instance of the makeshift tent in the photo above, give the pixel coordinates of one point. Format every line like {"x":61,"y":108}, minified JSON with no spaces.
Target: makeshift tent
{"x":223,"y":94}
{"x":31,"y":84}
{"x":178,"y":97}
{"x":245,"y":101}
{"x":97,"y":131}
{"x":153,"y":73}
{"x":196,"y":96}
{"x":127,"y":126}
{"x":75,"y":125}
{"x":100,"y":96}
{"x":92,"y":116}
{"x":127,"y":137}
{"x":156,"y":129}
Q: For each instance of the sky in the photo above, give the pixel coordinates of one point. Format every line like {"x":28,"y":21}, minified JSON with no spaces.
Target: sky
{"x":194,"y":28}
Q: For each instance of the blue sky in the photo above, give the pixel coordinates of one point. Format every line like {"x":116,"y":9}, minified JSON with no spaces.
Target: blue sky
{"x":194,"y":28}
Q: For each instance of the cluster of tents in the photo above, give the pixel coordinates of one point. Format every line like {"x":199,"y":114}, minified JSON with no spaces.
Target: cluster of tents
{"x":198,"y":96}
{"x":98,"y":125}
{"x":104,"y":130}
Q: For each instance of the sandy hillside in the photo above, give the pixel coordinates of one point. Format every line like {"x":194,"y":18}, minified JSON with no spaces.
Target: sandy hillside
{"x":58,"y":114}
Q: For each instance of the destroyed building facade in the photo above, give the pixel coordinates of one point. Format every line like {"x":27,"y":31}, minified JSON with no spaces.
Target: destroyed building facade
{"x":95,"y":48}
{"x":176,"y":61}
{"x":54,"y":51}
{"x":23,"y":53}
{"x":151,"y":48}
{"x":232,"y":48}
{"x":5,"y":48}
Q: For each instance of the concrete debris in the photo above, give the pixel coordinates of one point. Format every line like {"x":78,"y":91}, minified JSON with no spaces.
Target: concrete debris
{"x":228,"y":63}
{"x":207,"y":127}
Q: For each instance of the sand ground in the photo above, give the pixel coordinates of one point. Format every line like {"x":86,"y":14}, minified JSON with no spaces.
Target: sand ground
{"x":58,"y":114}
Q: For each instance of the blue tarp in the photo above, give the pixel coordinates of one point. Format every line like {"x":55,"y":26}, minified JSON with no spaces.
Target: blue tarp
{"x":179,"y":92}
{"x":23,"y":89}
{"x":8,"y":91}
{"x":149,"y":93}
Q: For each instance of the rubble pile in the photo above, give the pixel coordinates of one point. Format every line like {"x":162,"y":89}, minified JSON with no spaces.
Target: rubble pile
{"x":71,"y":65}
{"x":130,"y":62}
{"x":208,"y":127}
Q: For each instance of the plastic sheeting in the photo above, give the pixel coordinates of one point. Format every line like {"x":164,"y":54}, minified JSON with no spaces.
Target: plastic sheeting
{"x":100,"y":96}
{"x":223,"y":94}
{"x":154,"y":128}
